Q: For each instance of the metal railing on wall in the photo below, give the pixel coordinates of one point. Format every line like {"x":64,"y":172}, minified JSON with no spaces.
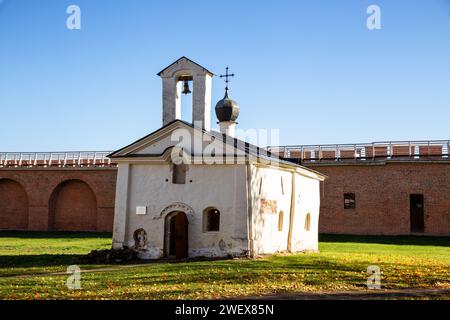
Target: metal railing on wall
{"x":391,"y":150}
{"x":56,"y":159}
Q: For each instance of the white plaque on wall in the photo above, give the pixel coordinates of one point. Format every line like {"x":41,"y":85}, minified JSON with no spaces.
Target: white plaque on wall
{"x":141,"y":210}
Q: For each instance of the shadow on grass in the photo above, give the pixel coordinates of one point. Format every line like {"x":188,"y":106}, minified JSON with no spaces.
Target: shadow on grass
{"x":54,"y":235}
{"x":41,"y":260}
{"x":397,"y":240}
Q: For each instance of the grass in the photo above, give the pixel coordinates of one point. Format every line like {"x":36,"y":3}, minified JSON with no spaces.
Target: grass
{"x":24,"y":253}
{"x":405,"y":262}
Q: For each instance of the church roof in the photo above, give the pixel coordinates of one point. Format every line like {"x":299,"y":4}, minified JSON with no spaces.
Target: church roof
{"x":189,"y":60}
{"x":246,"y":147}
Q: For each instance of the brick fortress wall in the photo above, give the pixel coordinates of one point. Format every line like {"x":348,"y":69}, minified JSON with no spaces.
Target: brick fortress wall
{"x":382,"y":197}
{"x":76,"y":198}
{"x":69,"y":199}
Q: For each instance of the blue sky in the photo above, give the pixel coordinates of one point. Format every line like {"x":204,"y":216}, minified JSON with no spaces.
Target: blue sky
{"x":310,"y":68}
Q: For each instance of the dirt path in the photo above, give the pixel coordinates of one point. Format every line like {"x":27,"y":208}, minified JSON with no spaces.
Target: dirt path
{"x":438,"y":293}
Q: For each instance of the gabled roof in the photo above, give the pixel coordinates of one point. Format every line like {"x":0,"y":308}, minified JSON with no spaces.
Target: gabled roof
{"x":183,"y":57}
{"x":245,"y":147}
{"x":115,"y":153}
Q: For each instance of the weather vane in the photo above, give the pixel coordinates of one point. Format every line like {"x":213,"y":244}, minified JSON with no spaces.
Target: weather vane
{"x":226,"y":76}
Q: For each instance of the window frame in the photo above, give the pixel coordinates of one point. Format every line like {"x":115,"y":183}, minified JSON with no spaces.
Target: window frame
{"x":206,"y":213}
{"x":349,"y":197}
{"x":179,"y":172}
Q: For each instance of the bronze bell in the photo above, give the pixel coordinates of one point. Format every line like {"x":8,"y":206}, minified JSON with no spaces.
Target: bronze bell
{"x":186,"y":87}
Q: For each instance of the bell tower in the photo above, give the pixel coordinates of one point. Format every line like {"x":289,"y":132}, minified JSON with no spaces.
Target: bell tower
{"x":176,"y":79}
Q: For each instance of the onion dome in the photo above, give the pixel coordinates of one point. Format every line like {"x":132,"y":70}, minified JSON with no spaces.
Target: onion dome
{"x":227,"y":109}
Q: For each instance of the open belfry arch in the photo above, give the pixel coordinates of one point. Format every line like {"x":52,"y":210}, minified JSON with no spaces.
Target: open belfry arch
{"x":211,"y":206}
{"x":176,"y":78}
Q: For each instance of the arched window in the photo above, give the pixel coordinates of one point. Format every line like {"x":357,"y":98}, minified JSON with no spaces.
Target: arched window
{"x":308,"y":222}
{"x":211,"y":220}
{"x":280,"y":220}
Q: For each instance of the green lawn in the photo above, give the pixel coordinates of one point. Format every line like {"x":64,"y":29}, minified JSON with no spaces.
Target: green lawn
{"x":405,"y":262}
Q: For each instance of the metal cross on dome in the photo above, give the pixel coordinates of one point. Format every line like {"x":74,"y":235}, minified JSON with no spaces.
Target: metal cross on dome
{"x":226,"y":76}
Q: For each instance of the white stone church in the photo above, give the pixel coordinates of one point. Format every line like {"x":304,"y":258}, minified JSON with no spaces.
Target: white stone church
{"x":188,"y":191}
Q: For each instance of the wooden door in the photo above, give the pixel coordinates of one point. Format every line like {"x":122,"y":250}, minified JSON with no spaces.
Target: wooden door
{"x":181,"y":236}
{"x":416,"y":213}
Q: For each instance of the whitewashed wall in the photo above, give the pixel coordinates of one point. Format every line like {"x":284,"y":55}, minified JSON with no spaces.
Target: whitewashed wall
{"x":307,"y":201}
{"x":266,"y":236}
{"x":219,"y":186}
{"x":266,"y":184}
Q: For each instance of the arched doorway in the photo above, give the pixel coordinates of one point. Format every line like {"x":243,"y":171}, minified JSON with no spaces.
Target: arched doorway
{"x":73,"y":207}
{"x":176,"y":235}
{"x":13,"y":206}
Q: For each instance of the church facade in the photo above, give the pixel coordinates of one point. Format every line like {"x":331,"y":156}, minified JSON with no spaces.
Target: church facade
{"x":188,"y":191}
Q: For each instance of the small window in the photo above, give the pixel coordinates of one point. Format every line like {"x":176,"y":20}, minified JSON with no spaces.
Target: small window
{"x":308,"y":222}
{"x":280,"y":221}
{"x":349,"y":201}
{"x":179,"y":173}
{"x":211,"y":220}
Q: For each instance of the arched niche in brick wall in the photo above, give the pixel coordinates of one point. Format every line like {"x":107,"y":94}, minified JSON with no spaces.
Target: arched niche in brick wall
{"x":13,"y":205}
{"x":73,"y":207}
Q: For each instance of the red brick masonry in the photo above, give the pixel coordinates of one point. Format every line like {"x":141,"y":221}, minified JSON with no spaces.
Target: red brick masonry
{"x":382,"y":191}
{"x":72,"y":199}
